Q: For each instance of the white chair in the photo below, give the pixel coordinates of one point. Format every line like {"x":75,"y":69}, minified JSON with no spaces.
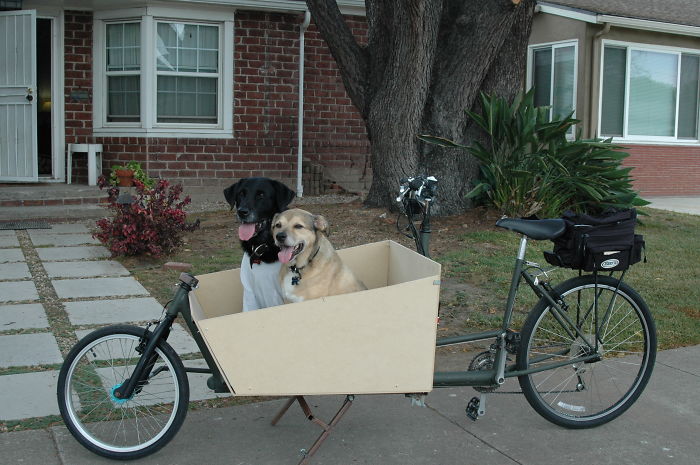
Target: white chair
{"x":94,"y":159}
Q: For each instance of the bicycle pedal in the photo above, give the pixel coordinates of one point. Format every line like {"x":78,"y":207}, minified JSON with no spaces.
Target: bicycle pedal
{"x":472,"y":409}
{"x":476,"y":407}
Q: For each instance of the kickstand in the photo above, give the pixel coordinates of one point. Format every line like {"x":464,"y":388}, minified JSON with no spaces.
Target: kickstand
{"x":327,"y":428}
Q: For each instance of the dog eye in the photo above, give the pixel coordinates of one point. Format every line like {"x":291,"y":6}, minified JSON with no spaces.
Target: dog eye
{"x":260,"y":195}
{"x":298,"y":226}
{"x":278,"y":225}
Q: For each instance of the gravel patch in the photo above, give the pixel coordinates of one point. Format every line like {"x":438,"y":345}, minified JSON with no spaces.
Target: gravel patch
{"x":55,"y":311}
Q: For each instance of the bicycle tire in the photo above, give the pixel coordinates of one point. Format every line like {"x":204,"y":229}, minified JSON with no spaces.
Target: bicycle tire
{"x":588,"y":394}
{"x":147,"y":421}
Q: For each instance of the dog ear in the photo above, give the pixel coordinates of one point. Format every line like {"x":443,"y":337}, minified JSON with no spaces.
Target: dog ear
{"x":321,"y":224}
{"x":283,"y":195}
{"x":231,"y":192}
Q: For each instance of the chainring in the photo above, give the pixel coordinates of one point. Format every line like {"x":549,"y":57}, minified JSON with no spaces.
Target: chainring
{"x":483,"y":361}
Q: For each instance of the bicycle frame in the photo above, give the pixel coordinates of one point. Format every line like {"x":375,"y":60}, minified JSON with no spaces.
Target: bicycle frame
{"x":492,"y":377}
{"x":180,"y":305}
{"x":422,"y":236}
{"x":498,"y":374}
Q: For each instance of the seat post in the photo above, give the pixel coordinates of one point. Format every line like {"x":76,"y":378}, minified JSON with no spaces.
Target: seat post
{"x":514,"y":283}
{"x":523,"y":246}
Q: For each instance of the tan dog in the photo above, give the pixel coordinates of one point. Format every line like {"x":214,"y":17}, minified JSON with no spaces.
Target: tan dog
{"x":310,"y":266}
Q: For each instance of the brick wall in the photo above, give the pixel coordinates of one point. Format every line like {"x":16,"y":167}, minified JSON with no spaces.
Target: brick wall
{"x":665,"y":170}
{"x":78,"y":85}
{"x":334,"y":133}
{"x":265,"y":92}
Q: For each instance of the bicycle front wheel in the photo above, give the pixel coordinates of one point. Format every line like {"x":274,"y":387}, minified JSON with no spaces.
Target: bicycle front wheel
{"x":121,"y":428}
{"x":614,"y":322}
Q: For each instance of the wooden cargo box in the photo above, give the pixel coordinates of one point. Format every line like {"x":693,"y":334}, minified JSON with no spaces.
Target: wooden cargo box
{"x":381,"y":340}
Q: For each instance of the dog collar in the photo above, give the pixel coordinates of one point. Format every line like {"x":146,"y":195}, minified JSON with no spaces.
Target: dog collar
{"x":297,"y":271}
{"x":256,"y":256}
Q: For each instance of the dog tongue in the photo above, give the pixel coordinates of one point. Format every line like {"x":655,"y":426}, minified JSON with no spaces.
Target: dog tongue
{"x":246,"y":231}
{"x":285,"y":254}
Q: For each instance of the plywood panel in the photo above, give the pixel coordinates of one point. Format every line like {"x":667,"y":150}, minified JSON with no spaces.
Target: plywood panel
{"x":219,"y":293}
{"x":406,"y":265}
{"x":381,"y":340}
{"x":370,"y":263}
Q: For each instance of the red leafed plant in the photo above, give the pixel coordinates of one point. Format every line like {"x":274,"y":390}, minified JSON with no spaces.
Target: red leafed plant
{"x":148,"y":223}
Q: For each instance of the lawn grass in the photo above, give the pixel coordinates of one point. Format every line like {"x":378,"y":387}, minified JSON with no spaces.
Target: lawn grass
{"x":669,"y":281}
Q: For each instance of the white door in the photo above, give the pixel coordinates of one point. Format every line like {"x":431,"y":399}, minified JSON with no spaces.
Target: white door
{"x":18,"y":149}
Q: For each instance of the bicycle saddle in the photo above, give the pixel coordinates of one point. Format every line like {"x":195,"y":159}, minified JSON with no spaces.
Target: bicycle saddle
{"x":534,"y":229}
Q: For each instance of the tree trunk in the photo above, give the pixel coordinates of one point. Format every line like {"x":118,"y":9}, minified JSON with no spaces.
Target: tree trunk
{"x":426,"y":61}
{"x":399,"y":83}
{"x":494,"y":63}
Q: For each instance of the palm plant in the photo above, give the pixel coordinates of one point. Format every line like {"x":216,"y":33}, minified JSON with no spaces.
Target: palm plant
{"x":530,"y":167}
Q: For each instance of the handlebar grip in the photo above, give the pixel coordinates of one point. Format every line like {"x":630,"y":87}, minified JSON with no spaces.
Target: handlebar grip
{"x":189,"y":280}
{"x":416,"y":183}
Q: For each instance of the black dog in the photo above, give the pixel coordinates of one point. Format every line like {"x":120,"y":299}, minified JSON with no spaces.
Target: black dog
{"x":256,"y":201}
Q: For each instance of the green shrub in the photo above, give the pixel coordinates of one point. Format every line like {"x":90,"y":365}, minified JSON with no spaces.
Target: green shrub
{"x":149,"y":223}
{"x":529,"y":167}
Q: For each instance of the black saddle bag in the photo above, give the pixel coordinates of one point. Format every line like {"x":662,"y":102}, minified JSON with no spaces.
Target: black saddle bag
{"x":602,"y":243}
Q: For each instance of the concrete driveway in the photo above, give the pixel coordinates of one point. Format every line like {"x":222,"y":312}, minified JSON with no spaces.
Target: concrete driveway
{"x":689,"y":205}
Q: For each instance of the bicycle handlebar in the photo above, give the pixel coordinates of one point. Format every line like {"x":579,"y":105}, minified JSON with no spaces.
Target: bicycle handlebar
{"x":423,"y":186}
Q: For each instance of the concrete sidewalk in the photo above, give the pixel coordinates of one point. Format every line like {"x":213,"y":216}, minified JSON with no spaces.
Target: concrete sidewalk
{"x":660,"y":428}
{"x":56,"y":286}
{"x":690,"y":205}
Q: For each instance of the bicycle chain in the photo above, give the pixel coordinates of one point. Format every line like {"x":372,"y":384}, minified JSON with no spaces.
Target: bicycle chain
{"x":520,"y":392}
{"x":484,"y":361}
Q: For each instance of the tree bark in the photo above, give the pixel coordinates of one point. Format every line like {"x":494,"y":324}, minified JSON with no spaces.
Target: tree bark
{"x":426,"y":61}
{"x":400,"y":83}
{"x":493,"y":64}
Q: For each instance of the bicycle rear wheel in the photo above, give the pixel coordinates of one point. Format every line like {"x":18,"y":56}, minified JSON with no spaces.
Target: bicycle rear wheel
{"x":587,"y":394}
{"x":121,"y":428}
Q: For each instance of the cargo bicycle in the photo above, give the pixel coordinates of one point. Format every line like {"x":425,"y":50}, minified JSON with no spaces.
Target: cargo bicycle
{"x":583,"y":356}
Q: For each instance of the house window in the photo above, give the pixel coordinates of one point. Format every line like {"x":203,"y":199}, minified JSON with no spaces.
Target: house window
{"x":162,"y":75}
{"x":188,"y":73}
{"x":123,"y":69}
{"x":553,"y":76}
{"x":649,"y":93}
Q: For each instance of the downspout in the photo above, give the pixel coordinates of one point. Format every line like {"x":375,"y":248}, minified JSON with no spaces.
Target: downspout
{"x":596,"y":66}
{"x":300,"y":118}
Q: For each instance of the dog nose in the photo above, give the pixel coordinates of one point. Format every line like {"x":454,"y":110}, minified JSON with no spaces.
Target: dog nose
{"x":281,"y":237}
{"x":242,"y":212}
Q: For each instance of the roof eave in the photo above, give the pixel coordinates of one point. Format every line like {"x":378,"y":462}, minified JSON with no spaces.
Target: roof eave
{"x":618,"y":21}
{"x":647,"y":25}
{"x":347,"y":7}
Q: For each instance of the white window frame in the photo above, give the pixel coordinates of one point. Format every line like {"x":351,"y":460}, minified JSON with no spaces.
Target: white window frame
{"x":640,"y":139}
{"x":218,"y":75}
{"x":530,"y":63}
{"x":107,"y":74}
{"x":149,"y":126}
